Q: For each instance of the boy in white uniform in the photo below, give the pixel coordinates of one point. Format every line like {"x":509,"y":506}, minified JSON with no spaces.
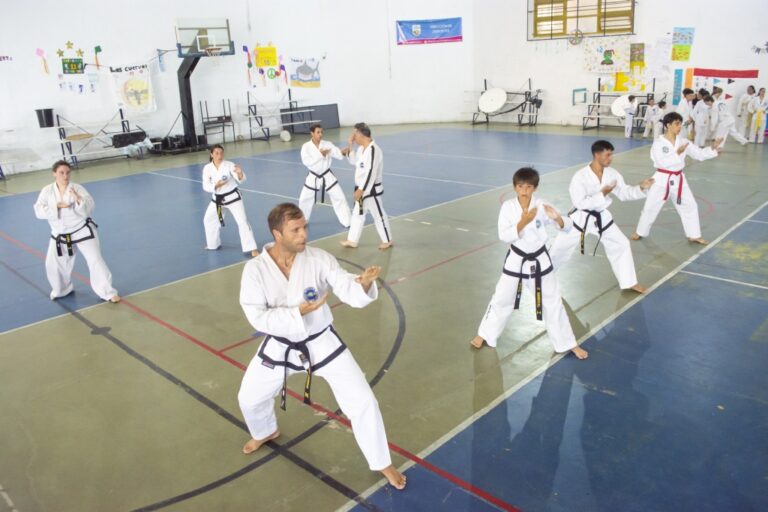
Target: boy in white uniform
{"x":743,"y":115}
{"x":67,"y":207}
{"x":369,"y":187}
{"x":590,"y":188}
{"x":316,"y":155}
{"x":629,"y":120}
{"x":723,"y":123}
{"x":220,"y":179}
{"x":685,"y":108}
{"x":701,"y":118}
{"x":521,"y":224}
{"x":283,"y":294}
{"x":757,"y":108}
{"x":651,"y":114}
{"x":668,"y":154}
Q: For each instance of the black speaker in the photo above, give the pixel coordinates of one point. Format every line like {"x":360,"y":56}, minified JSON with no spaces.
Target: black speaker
{"x":120,"y":140}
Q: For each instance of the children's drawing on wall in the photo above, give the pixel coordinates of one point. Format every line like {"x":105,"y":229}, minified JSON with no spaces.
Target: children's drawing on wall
{"x":635,"y":79}
{"x":132,"y":86}
{"x":306,"y":71}
{"x":606,"y":54}
{"x":73,"y":77}
{"x":268,"y":70}
{"x":682,"y":41}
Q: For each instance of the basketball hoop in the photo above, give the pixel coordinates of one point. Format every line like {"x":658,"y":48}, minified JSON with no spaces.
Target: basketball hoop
{"x":213,"y":51}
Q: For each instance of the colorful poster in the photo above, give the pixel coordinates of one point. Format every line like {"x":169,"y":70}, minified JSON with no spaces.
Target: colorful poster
{"x":133,"y":88}
{"x":606,"y":54}
{"x":266,"y":56}
{"x":634,"y":80}
{"x":637,"y":52}
{"x":677,"y":91}
{"x":305,"y":72}
{"x":447,"y":30}
{"x":682,"y":40}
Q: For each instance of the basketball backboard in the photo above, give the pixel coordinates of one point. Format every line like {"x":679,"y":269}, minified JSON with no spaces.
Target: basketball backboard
{"x":203,"y":37}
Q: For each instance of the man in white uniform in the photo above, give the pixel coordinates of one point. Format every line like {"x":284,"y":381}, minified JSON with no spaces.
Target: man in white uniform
{"x":668,"y":154}
{"x":369,"y":187}
{"x":67,"y":207}
{"x":220,"y":179}
{"x":283,"y":294}
{"x":723,"y":123}
{"x":522,"y":223}
{"x":590,"y":188}
{"x":316,"y":155}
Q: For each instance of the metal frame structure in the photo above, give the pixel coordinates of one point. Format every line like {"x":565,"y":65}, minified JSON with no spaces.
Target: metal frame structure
{"x":529,"y":106}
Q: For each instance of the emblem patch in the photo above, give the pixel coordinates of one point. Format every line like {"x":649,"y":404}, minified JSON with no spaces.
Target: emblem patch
{"x":538,"y":223}
{"x":310,"y":294}
{"x":665,"y":149}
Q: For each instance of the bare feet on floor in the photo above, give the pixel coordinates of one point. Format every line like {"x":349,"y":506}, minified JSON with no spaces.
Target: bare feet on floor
{"x":254,"y":444}
{"x":638,"y":288}
{"x":347,"y":243}
{"x":115,"y":299}
{"x":385,"y":246}
{"x":635,"y":236}
{"x":396,"y":479}
{"x":477,"y":342}
{"x":580,"y":352}
{"x":698,"y":241}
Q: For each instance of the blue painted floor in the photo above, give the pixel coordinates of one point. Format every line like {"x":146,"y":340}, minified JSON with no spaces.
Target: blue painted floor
{"x":670,"y":411}
{"x":151,"y":224}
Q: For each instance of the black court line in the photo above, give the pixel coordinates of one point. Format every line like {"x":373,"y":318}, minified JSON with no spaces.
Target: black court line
{"x":277,"y":448}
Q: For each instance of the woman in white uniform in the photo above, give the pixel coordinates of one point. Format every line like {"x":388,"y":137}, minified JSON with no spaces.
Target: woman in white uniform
{"x":220,"y":179}
{"x":68,"y":207}
{"x":668,"y":154}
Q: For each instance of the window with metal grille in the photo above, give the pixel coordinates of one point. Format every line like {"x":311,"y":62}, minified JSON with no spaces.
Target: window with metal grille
{"x":558,"y":19}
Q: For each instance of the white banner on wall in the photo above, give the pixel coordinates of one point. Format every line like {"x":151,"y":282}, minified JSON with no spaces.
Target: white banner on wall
{"x":132,"y":86}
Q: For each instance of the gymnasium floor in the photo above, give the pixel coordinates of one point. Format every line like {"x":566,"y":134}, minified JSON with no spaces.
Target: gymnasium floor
{"x":133,"y":406}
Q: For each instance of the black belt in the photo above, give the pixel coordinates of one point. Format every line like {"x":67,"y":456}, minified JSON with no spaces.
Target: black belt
{"x":536,"y":274}
{"x":322,"y":187}
{"x":374,"y":193}
{"x":66,"y":238}
{"x":598,"y":223}
{"x":301,"y":347}
{"x":219,"y":200}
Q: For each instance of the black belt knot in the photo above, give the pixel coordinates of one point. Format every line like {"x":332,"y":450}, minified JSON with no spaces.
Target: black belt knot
{"x":598,"y":223}
{"x":536,"y":274}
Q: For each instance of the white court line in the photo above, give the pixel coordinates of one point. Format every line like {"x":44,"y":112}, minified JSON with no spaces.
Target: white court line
{"x":8,"y":500}
{"x":725,"y":280}
{"x":423,"y":454}
{"x":758,"y":221}
{"x":241,"y":188}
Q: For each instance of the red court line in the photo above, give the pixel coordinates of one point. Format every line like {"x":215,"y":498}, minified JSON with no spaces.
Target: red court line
{"x":402,"y":451}
{"x":438,"y":264}
{"x":235,"y":345}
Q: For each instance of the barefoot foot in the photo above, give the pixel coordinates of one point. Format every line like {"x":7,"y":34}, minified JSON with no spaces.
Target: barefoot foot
{"x":638,"y":288}
{"x":254,"y":253}
{"x":477,"y":342}
{"x":396,"y":479}
{"x":115,"y":299}
{"x":635,"y":236}
{"x":580,"y":353}
{"x":254,"y":444}
{"x":698,"y":241}
{"x":385,"y":246}
{"x":347,"y":243}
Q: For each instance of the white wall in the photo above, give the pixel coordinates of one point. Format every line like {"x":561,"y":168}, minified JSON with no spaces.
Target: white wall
{"x":724,"y":36}
{"x":365,"y":72}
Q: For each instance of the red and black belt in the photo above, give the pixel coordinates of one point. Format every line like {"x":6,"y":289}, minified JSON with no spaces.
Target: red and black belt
{"x":679,"y":184}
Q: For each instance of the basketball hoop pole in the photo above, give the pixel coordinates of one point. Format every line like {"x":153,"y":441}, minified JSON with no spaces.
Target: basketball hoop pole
{"x":185,"y":97}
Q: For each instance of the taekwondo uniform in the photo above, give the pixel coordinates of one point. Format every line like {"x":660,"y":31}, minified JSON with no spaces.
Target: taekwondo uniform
{"x":72,"y":228}
{"x":227,"y":196}
{"x":369,"y":172}
{"x":670,"y":182}
{"x":684,"y":108}
{"x":629,"y":120}
{"x":321,"y":180}
{"x":743,"y":113}
{"x":590,"y":215}
{"x":758,"y":107}
{"x":296,"y":343}
{"x":650,"y":118}
{"x":527,"y":260}
{"x":701,"y":123}
{"x":723,"y":123}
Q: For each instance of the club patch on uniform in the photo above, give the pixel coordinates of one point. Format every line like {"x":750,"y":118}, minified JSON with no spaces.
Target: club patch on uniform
{"x":538,"y":223}
{"x":665,"y":149}
{"x":310,"y":294}
{"x":362,"y":164}
{"x":267,"y":364}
